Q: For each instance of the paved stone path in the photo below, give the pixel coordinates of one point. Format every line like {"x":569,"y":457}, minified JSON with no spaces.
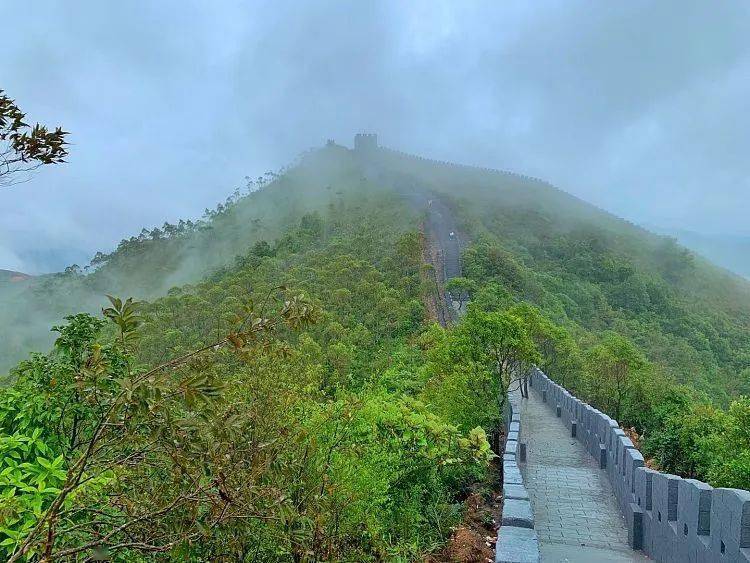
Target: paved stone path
{"x":575,"y":512}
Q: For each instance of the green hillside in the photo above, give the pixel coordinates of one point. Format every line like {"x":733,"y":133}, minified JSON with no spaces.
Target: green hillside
{"x":149,"y":264}
{"x":584,"y":266}
{"x":280,"y":393}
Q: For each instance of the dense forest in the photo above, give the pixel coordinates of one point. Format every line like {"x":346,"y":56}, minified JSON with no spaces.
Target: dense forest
{"x":277,"y":390}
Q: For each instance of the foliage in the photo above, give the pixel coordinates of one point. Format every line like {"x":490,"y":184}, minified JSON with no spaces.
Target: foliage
{"x":237,"y":419}
{"x":293,"y":405}
{"x":30,"y":480}
{"x":623,"y":326}
{"x":612,"y":366}
{"x":461,"y":289}
{"x":24,"y":148}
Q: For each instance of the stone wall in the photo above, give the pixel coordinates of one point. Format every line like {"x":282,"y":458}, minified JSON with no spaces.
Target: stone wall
{"x":365,"y":142}
{"x":456,"y":166}
{"x":671,"y":519}
{"x":517,"y":541}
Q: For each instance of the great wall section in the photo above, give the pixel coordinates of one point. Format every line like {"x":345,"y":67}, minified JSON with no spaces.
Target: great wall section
{"x":666,"y":518}
{"x":575,"y":487}
{"x":443,"y":238}
{"x":367,"y":143}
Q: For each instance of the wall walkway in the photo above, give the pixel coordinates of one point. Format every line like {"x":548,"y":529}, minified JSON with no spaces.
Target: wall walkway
{"x":576,"y":516}
{"x":671,"y":519}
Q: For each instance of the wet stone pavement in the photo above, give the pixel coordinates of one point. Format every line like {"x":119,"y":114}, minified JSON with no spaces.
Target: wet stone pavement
{"x":576,"y":516}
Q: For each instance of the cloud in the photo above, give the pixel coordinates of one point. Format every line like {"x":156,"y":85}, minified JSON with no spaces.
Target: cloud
{"x":637,"y":107}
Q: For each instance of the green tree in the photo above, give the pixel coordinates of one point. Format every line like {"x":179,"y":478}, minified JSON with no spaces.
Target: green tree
{"x":461,"y":289}
{"x":559,"y":356}
{"x":497,"y":343}
{"x":612,"y":366}
{"x":727,"y":450}
{"x":129,"y":425}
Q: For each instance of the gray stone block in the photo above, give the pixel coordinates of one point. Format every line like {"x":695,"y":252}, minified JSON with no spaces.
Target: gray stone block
{"x":514,"y":491}
{"x":694,"y":507}
{"x":730,"y":521}
{"x":664,"y":497}
{"x":602,"y":456}
{"x":623,"y":443}
{"x":634,"y":518}
{"x":644,"y":487}
{"x":517,"y":512}
{"x":516,"y":545}
{"x":633,"y":460}
{"x":511,"y":474}
{"x":511,"y":447}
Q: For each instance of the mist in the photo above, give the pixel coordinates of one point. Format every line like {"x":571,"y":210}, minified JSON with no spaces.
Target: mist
{"x":637,"y":108}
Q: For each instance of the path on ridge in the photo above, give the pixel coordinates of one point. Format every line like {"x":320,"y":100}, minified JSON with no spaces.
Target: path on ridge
{"x":576,"y":516}
{"x":445,"y":250}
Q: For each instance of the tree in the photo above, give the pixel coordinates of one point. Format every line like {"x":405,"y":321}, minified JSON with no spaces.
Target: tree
{"x":461,"y":289}
{"x":23,"y":148}
{"x":727,"y":451}
{"x":119,"y":425}
{"x":497,"y":342}
{"x":559,"y":355}
{"x":612,"y":364}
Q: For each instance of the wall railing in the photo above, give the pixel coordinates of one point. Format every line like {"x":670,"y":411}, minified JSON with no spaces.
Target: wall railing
{"x":671,"y":519}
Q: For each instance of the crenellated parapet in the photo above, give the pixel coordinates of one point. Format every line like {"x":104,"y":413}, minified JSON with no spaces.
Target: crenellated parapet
{"x":517,"y":541}
{"x":671,"y":519}
{"x":367,"y":143}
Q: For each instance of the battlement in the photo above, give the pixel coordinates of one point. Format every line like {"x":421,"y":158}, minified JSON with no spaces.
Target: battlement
{"x":365,"y":142}
{"x":368,"y":143}
{"x":668,"y":517}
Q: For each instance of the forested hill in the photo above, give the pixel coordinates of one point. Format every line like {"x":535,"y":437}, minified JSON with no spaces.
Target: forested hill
{"x":576,"y":261}
{"x":279,"y":391}
{"x":148,"y":264}
{"x":583,"y":265}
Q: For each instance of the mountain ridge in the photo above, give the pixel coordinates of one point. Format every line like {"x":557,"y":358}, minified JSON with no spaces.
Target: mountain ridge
{"x":13,"y":276}
{"x":532,"y":213}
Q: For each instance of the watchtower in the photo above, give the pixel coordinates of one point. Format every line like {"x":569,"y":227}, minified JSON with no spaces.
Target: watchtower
{"x":365,"y":142}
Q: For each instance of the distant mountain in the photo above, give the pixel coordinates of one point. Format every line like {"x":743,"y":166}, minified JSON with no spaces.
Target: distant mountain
{"x":730,"y":251}
{"x":11,"y":276}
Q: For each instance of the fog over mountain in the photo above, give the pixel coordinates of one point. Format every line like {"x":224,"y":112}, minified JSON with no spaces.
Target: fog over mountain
{"x":637,"y":107}
{"x":731,"y":251}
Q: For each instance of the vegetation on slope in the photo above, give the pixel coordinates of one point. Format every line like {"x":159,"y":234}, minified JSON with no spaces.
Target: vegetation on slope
{"x":149,"y":264}
{"x":295,"y":405}
{"x":302,"y":430}
{"x":632,"y":322}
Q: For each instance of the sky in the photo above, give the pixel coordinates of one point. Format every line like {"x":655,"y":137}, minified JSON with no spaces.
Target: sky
{"x":638,"y":107}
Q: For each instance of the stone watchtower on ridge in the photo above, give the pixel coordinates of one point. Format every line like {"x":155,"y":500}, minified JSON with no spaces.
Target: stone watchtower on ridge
{"x":365,"y":142}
